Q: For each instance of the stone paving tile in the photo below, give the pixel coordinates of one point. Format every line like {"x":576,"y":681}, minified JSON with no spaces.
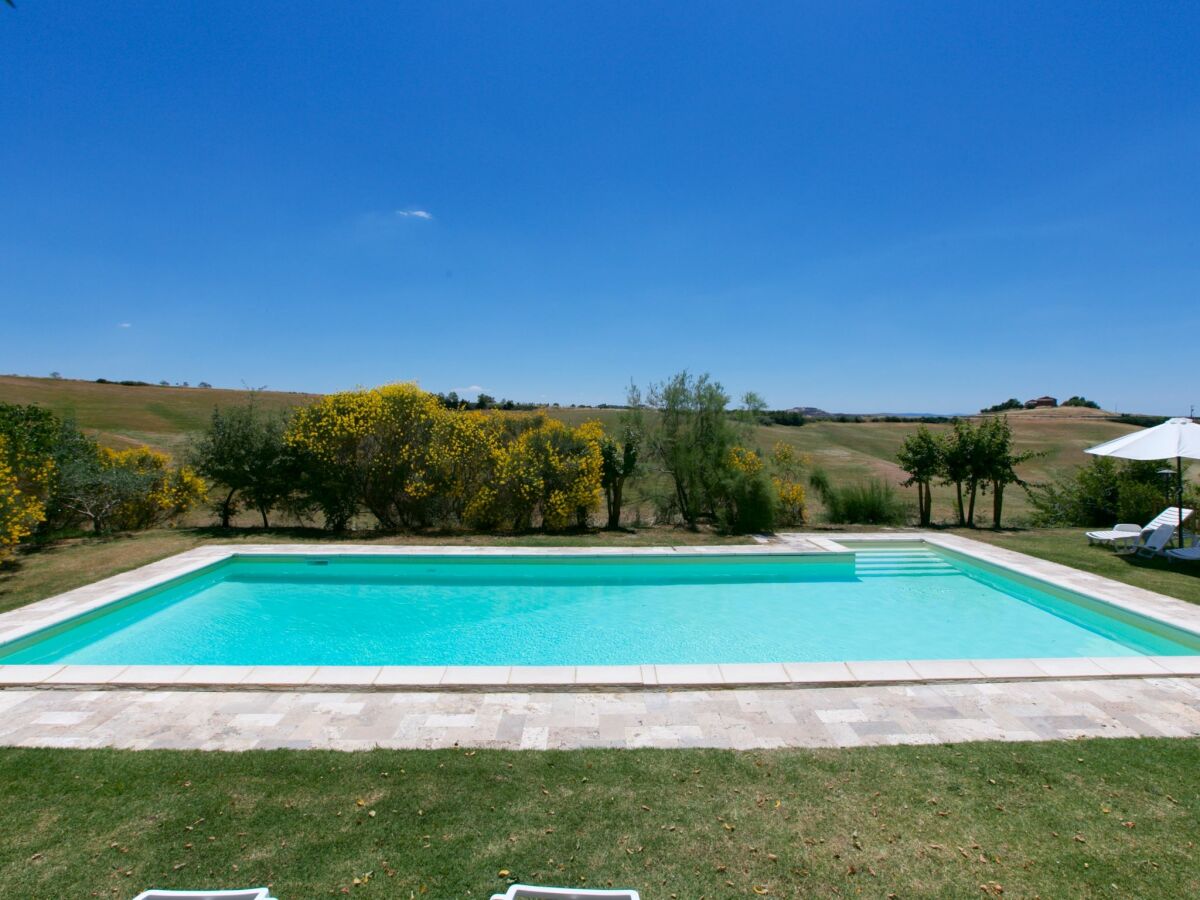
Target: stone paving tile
{"x":740,"y":719}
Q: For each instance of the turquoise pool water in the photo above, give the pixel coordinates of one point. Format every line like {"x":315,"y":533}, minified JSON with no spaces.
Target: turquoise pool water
{"x":907,"y":602}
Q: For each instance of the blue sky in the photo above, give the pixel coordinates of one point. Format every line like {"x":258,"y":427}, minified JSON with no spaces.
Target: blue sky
{"x":859,"y":206}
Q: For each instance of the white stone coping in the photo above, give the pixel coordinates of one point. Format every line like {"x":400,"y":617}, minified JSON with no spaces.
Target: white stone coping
{"x":1138,"y":601}
{"x":30,"y":619}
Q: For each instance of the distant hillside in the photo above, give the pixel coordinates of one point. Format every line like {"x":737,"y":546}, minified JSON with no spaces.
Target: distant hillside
{"x":1056,"y":412}
{"x":122,"y":415}
{"x":164,"y":417}
{"x":812,"y":412}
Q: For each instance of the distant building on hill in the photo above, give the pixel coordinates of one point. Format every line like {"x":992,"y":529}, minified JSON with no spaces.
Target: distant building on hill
{"x":1042,"y":403}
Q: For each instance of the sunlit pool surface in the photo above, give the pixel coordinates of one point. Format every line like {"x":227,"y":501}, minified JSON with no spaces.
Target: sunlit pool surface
{"x":894,"y":602}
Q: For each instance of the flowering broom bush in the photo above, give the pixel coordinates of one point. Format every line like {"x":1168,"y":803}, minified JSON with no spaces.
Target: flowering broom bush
{"x":126,"y":490}
{"x":21,"y":509}
{"x":408,"y":460}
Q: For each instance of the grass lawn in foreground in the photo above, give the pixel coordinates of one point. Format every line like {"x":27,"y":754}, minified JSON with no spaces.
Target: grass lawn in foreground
{"x":1100,"y":818}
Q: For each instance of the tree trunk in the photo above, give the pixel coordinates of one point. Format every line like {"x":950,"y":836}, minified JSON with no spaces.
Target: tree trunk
{"x":684,"y":508}
{"x":971,"y":505}
{"x":997,"y":502}
{"x":262,"y":511}
{"x":614,"y":507}
{"x":226,"y":508}
{"x":925,"y":505}
{"x":962,"y":518}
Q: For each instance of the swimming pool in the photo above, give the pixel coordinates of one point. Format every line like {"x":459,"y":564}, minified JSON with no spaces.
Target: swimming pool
{"x":889,"y":602}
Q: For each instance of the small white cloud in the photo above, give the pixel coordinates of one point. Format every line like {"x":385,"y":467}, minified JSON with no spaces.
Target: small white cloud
{"x":125,"y":325}
{"x":470,"y":390}
{"x":414,"y":214}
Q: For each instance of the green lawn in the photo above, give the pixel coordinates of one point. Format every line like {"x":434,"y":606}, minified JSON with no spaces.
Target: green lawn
{"x":1069,"y":547}
{"x":1101,"y":818}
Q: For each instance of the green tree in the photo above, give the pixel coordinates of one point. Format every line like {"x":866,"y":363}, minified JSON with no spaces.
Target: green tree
{"x":39,"y":444}
{"x":243,"y":452}
{"x":999,"y":461}
{"x":921,"y":456}
{"x":92,"y":490}
{"x":959,"y":466}
{"x":690,"y":440}
{"x":1100,"y":493}
{"x":1010,"y":403}
{"x":619,"y":457}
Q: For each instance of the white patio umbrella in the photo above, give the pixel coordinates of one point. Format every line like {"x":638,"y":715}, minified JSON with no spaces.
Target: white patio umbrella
{"x":1178,"y":438}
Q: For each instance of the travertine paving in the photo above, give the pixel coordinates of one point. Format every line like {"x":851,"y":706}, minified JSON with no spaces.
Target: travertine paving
{"x":739,"y":719}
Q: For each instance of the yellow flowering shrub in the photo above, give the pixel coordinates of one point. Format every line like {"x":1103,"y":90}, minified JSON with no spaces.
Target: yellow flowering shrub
{"x":166,"y":494}
{"x":465,"y":455}
{"x":21,"y":510}
{"x":788,"y":466}
{"x":26,"y":470}
{"x":747,"y":462}
{"x":551,"y":469}
{"x":790,"y":495}
{"x":371,"y":447}
{"x":411,"y":462}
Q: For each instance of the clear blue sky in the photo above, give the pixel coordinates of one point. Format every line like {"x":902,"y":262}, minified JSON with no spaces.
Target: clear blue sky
{"x":860,"y":206}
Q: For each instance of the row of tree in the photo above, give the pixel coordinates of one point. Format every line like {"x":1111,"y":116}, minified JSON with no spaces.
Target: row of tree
{"x":1014,"y":403}
{"x":973,"y":458}
{"x":410,"y":459}
{"x":55,"y":478}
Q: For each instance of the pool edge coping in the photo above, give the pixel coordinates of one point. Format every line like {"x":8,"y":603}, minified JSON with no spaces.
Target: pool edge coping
{"x":80,"y":601}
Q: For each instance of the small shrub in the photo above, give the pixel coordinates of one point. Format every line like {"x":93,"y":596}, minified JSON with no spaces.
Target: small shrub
{"x":1101,"y":493}
{"x":818,"y":480}
{"x":749,"y":505}
{"x":787,"y":466}
{"x":872,"y":502}
{"x":1139,"y":502}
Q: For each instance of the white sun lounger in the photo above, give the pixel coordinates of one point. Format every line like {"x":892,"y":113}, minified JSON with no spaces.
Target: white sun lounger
{"x":1118,"y":534}
{"x":531,"y":892}
{"x":1128,"y":531}
{"x":243,"y":894}
{"x":1156,"y":544}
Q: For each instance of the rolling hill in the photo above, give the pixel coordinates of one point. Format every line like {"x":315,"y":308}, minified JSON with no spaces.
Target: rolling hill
{"x":122,"y":415}
{"x":164,"y":417}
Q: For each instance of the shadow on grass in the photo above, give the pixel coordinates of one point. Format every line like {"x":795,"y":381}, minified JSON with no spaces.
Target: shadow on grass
{"x":1160,"y":564}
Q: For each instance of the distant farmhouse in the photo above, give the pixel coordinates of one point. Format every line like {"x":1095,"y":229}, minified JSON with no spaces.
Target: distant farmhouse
{"x":1042,"y":403}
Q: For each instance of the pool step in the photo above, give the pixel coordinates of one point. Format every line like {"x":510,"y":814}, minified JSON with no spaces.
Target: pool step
{"x":892,"y":563}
